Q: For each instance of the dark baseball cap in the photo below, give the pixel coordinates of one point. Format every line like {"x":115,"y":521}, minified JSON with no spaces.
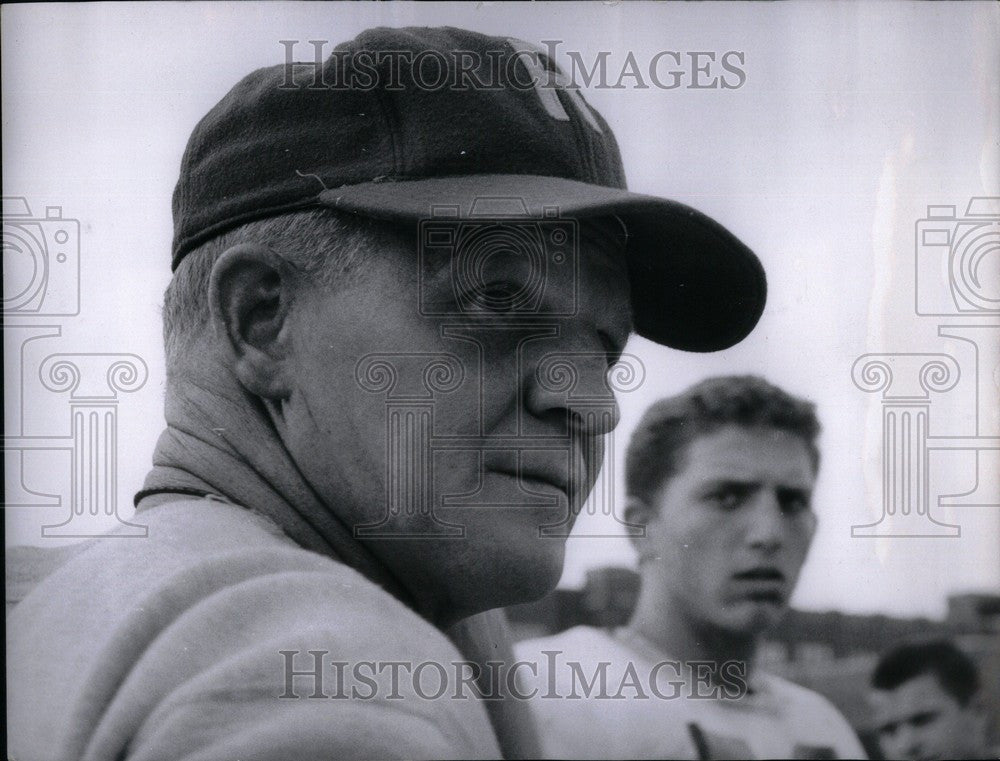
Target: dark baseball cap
{"x":399,"y":121}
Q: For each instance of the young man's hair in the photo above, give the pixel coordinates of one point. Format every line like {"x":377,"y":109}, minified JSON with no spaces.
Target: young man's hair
{"x":954,"y":671}
{"x":324,"y":245}
{"x":657,"y":448}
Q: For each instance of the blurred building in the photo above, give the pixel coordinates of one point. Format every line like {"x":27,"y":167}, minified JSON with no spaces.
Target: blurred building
{"x":829,"y":652}
{"x":606,"y":600}
{"x":977,"y":613}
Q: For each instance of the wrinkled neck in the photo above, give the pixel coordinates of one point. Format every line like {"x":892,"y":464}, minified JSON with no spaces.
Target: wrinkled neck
{"x":220,"y":439}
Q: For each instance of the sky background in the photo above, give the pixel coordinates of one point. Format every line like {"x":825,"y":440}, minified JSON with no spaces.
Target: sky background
{"x":852,"y":120}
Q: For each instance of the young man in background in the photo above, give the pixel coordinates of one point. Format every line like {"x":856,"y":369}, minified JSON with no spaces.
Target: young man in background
{"x":721,"y":476}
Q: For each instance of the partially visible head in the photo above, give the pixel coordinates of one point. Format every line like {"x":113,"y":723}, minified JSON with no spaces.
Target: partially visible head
{"x":722,"y":476}
{"x":924,"y":696}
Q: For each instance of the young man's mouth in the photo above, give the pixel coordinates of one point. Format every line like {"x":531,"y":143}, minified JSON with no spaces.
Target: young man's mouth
{"x":764,"y":584}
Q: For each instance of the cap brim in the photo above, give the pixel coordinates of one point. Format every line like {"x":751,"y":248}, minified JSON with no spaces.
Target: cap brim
{"x":695,"y":286}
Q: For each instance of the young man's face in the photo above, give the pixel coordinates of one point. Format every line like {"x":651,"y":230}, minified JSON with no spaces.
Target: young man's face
{"x":389,"y":360}
{"x":920,"y":720}
{"x":732,"y":528}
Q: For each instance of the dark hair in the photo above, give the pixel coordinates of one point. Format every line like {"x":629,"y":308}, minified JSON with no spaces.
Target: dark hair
{"x":658,"y":443}
{"x":953,"y":669}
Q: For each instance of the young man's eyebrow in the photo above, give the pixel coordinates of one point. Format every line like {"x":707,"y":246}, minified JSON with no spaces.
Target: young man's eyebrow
{"x":795,"y":491}
{"x":750,"y":483}
{"x":731,"y":483}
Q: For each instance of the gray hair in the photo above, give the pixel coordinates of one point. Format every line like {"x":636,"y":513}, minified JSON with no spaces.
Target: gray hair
{"x":326,"y":246}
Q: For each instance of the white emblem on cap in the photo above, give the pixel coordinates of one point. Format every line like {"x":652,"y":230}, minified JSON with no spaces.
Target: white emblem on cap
{"x":546,"y":82}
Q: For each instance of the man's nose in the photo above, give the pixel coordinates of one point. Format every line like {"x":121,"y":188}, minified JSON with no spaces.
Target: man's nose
{"x":574,"y":383}
{"x":596,"y":420}
{"x":767,"y":523}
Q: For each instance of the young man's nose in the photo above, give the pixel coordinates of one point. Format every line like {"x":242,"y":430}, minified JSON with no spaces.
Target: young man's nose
{"x":908,"y":742}
{"x":766,"y":529}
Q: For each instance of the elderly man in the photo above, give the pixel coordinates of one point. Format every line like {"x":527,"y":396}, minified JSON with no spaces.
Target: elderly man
{"x":721,"y":476}
{"x":927,"y":705}
{"x":373,"y":268}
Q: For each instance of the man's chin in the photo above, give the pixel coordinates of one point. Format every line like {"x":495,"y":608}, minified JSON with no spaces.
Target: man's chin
{"x":508,"y":567}
{"x":481,"y":591}
{"x":755,"y":617}
{"x":527,"y":577}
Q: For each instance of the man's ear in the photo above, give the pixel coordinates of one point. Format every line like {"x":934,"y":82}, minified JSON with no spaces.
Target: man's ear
{"x":250,"y":295}
{"x":638,"y":512}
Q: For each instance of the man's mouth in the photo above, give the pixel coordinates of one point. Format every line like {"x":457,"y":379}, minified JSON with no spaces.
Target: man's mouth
{"x":538,"y":480}
{"x":760,"y":573}
{"x":762,"y":584}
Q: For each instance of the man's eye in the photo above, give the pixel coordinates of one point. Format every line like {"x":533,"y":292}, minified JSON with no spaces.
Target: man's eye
{"x":793,"y":504}
{"x":923,"y":719}
{"x":497,"y":297}
{"x":726,"y":499}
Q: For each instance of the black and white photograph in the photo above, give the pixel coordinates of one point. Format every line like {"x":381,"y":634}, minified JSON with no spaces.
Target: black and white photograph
{"x":421,"y":380}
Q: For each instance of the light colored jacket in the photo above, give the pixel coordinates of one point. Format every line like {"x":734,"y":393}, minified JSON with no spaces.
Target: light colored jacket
{"x":176,"y":648}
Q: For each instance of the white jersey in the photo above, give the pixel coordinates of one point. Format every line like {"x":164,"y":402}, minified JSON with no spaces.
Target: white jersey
{"x":600,"y":694}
